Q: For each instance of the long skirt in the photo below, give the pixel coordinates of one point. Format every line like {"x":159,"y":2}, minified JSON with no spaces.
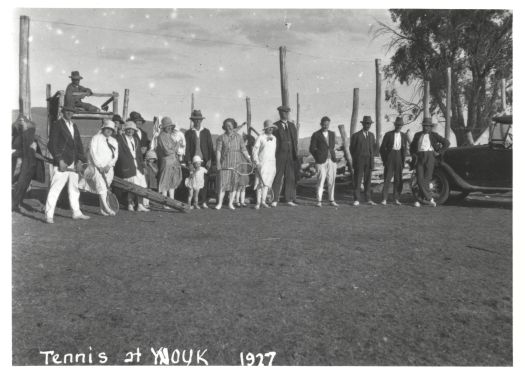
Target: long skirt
{"x":170,"y":174}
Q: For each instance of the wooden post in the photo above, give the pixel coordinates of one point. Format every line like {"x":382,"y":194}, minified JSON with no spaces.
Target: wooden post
{"x":298,"y":107}
{"x":48,"y":100}
{"x":115,"y":102}
{"x":23,"y":65}
{"x":355,"y":112}
{"x":426,"y":100}
{"x":192,"y":107}
{"x":378,"y":103}
{"x":284,"y":76}
{"x":61,"y":98}
{"x":503,"y":96}
{"x":449,"y":103}
{"x":248,"y":116}
{"x":125,"y":105}
{"x":346,"y":148}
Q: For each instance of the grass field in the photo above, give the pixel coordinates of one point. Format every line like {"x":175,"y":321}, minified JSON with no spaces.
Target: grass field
{"x":347,"y":286}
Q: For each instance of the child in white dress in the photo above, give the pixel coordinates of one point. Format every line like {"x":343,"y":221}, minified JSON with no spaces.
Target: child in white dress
{"x":195,"y":182}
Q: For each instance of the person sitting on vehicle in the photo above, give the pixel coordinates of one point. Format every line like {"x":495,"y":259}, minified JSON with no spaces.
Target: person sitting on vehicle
{"x":75,"y":100}
{"x":424,"y":148}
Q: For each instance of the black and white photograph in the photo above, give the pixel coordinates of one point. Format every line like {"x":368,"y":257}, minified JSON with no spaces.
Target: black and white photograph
{"x":261,"y":185}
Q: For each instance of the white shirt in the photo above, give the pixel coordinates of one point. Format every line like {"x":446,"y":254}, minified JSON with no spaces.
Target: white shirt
{"x":397,"y":141}
{"x":424,"y":143}
{"x":69,"y":125}
{"x":365,"y":133}
{"x":131,"y":144}
{"x":325,"y":134}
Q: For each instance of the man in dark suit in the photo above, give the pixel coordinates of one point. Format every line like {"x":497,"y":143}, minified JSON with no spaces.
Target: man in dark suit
{"x":322,"y":147}
{"x":425,"y":146}
{"x":285,"y":157}
{"x":75,"y":101}
{"x":362,"y":150}
{"x":66,"y":148}
{"x":199,"y":142}
{"x":139,"y":121}
{"x":393,"y":151}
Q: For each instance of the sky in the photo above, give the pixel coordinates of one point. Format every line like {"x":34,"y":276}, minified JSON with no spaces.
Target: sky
{"x":220,"y":55}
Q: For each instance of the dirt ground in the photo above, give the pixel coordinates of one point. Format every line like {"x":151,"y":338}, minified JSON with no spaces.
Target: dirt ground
{"x":319,"y":286}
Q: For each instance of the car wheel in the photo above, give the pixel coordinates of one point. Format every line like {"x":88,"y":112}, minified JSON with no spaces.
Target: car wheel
{"x":439,"y":187}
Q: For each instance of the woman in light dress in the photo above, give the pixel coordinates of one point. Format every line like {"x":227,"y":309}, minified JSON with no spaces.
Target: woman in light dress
{"x":264,"y":158}
{"x":103,"y":155}
{"x":170,"y":174}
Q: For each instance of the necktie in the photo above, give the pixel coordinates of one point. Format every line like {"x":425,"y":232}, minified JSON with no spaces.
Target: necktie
{"x":111,"y":148}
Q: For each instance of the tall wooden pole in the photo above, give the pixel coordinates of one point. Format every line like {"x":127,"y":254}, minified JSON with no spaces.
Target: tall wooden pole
{"x":284,"y":76}
{"x":191,"y":109}
{"x":23,"y":65}
{"x":355,"y":112}
{"x":125,"y":105}
{"x":298,"y":108}
{"x":426,"y":100}
{"x":503,"y":95}
{"x":379,"y":130}
{"x":115,"y":102}
{"x":248,"y":116}
{"x":449,"y":103}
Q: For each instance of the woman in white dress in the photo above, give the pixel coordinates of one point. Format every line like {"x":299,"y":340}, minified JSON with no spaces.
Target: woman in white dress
{"x":103,"y":154}
{"x":264,"y":158}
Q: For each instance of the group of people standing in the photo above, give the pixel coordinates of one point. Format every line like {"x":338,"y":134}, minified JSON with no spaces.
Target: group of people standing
{"x":123,"y":149}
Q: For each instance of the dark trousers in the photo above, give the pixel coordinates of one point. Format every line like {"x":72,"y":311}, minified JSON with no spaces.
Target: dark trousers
{"x":285,"y":175}
{"x":393,"y":168}
{"x":362,"y":173}
{"x":27,"y":171}
{"x":87,"y":107}
{"x":424,"y":171}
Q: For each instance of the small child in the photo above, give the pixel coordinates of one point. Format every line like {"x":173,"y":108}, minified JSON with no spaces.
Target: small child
{"x":196,"y":181}
{"x":150,"y":171}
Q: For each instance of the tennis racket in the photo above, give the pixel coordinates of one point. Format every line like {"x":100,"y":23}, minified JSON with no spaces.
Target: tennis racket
{"x":242,"y":169}
{"x":111,"y":198}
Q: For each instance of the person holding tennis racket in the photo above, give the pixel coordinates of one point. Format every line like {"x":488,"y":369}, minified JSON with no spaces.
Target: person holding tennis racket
{"x":231,"y":157}
{"x":103,"y":155}
{"x":264,"y":158}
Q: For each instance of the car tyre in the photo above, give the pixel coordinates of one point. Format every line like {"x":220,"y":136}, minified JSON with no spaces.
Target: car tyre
{"x":439,"y":186}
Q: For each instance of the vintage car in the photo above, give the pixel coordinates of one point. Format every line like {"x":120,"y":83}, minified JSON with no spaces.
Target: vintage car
{"x":478,"y":168}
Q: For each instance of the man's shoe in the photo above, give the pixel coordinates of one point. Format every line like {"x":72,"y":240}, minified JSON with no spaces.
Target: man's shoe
{"x":397,"y":203}
{"x":130,"y":207}
{"x":204,"y":206}
{"x":356,"y":203}
{"x":141,"y":208}
{"x":291,"y":203}
{"x":257,"y":207}
{"x":432,"y":203}
{"x":265,"y":205}
{"x":274,"y":204}
{"x":383,"y":202}
{"x":417,"y":204}
{"x":333,"y":203}
{"x":370,"y":202}
{"x":49,"y":220}
{"x":80,"y":216}
{"x":319,"y":204}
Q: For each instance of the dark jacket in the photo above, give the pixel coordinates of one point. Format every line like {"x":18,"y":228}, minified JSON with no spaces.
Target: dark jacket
{"x":320,"y":148}
{"x":358,"y":146}
{"x":144,"y":141}
{"x":73,"y":100}
{"x":63,"y":146}
{"x":435,"y":140}
{"x":388,"y":144}
{"x":280,"y":135}
{"x":125,"y":166}
{"x":206,"y":143}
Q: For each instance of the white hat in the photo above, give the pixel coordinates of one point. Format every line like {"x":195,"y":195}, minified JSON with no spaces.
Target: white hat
{"x":106,"y":123}
{"x":196,"y":159}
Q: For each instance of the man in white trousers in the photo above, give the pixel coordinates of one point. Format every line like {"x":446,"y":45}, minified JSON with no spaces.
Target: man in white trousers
{"x":65,"y":145}
{"x":322,"y":147}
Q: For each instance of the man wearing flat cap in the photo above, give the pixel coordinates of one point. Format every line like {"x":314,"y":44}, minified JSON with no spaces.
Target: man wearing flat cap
{"x":65,"y":145}
{"x":199,"y":143}
{"x":424,"y":148}
{"x":286,"y":158}
{"x":362,"y":150}
{"x":75,"y":93}
{"x":393,"y":151}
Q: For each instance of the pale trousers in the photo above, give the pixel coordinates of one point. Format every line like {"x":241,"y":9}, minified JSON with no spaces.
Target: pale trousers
{"x":326,"y":172}
{"x":58,"y":181}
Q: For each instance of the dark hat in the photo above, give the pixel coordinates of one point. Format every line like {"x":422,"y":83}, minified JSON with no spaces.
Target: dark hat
{"x":75,"y":74}
{"x":69,"y":108}
{"x":283,"y":109}
{"x":399,"y":121}
{"x":196,"y":115}
{"x":135,"y":116}
{"x":427,"y":121}
{"x":117,"y":119}
{"x":367,"y":119}
{"x":325,"y":118}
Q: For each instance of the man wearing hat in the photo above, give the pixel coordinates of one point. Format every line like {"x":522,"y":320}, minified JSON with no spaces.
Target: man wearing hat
{"x":65,"y":145}
{"x":322,"y":147}
{"x":393,"y":150}
{"x":286,"y":157}
{"x":425,"y":146}
{"x":139,"y":121}
{"x":75,"y":101}
{"x":119,"y":123}
{"x":362,"y":150}
{"x":199,"y":142}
